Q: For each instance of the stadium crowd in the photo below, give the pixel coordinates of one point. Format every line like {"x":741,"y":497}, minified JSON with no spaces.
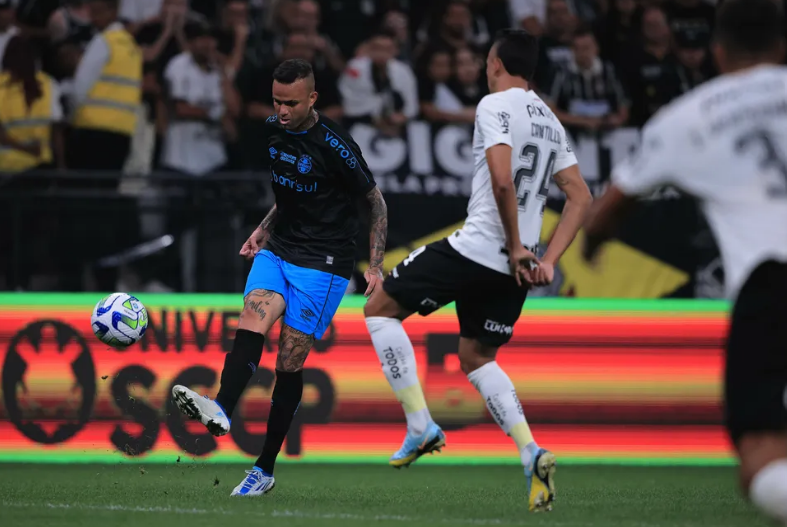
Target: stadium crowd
{"x":203,"y":70}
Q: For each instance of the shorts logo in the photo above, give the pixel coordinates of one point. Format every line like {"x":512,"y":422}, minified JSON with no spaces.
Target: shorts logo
{"x":428,"y":302}
{"x":304,"y":164}
{"x":287,"y":158}
{"x":496,"y":327}
{"x":273,"y":152}
{"x":306,"y":314}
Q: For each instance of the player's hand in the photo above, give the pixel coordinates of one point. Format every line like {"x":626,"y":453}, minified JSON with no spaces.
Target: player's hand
{"x":373,"y":276}
{"x":521,"y":261}
{"x":543,"y":274}
{"x":254,"y":244}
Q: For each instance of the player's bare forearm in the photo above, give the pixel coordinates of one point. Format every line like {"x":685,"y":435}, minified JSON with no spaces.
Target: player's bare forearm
{"x":604,"y":217}
{"x":575,"y":211}
{"x":378,"y":232}
{"x":498,"y":158}
{"x":268,"y":223}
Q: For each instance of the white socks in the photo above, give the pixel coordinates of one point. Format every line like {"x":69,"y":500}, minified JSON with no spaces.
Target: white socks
{"x":769,"y":490}
{"x":397,"y":357}
{"x":500,"y":395}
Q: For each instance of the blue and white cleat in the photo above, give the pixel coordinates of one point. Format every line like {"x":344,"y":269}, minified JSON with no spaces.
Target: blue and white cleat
{"x":203,"y":409}
{"x":433,"y":440}
{"x":256,"y":483}
{"x":541,"y":481}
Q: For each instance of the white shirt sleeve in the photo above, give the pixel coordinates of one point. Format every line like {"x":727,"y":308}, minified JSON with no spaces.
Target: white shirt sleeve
{"x":89,"y":70}
{"x":356,"y":88}
{"x":653,"y":164}
{"x":177,"y":80}
{"x":565,"y":156}
{"x":493,"y":119}
{"x":56,"y":105}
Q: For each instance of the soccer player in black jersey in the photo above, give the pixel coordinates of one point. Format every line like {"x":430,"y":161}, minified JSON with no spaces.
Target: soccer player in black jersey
{"x":303,"y":254}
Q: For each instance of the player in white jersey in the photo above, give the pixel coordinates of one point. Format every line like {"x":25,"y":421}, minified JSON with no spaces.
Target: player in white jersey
{"x":726,"y":144}
{"x":487,"y":266}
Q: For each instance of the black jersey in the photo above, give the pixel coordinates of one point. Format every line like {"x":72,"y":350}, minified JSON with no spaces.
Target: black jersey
{"x":317,"y":177}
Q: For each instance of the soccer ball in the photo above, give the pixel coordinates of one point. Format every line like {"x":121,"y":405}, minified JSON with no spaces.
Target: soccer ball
{"x":119,"y":320}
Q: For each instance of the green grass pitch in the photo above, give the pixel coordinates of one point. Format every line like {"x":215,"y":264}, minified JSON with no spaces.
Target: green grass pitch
{"x":194,"y":495}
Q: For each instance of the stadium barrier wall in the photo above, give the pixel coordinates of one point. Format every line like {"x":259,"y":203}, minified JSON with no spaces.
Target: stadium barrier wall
{"x":600,"y":381}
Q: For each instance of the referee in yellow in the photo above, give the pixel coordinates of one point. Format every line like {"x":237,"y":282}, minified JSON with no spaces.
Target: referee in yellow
{"x":107,"y":94}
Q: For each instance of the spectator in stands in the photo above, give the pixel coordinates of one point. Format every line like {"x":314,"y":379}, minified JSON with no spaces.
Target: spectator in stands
{"x":397,"y":23}
{"x":71,"y":22}
{"x":348,"y":22}
{"x":530,"y":15}
{"x":30,"y":113}
{"x":467,"y":84}
{"x":259,"y":95}
{"x":307,"y":22}
{"x":107,"y":94}
{"x":453,"y":31}
{"x":137,"y":13}
{"x":164,"y":37}
{"x":645,"y":68}
{"x":438,"y":103}
{"x":695,"y":15}
{"x":283,"y":19}
{"x":380,"y":88}
{"x":692,"y":65}
{"x":620,"y":29}
{"x":233,"y":35}
{"x":7,"y":24}
{"x":555,"y":45}
{"x":202,"y":105}
{"x":586,"y":94}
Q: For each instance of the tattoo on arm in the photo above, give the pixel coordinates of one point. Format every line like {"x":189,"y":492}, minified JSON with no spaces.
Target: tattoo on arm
{"x":379,"y":228}
{"x":561,"y":181}
{"x":270,"y":220}
{"x":294,"y":347}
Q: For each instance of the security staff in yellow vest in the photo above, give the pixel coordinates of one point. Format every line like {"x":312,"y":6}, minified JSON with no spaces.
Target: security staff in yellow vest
{"x":107,"y":94}
{"x":29,"y":109}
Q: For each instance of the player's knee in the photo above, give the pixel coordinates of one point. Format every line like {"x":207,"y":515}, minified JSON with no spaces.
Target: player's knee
{"x":757,"y":451}
{"x":380,"y":304}
{"x":474,"y":355}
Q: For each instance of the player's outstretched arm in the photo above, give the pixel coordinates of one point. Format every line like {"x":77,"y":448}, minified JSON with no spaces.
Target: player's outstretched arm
{"x":578,"y":201}
{"x":260,"y":236}
{"x":378,"y":234}
{"x":604,"y":217}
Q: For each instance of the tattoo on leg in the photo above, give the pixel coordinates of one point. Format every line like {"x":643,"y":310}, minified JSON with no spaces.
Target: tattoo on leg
{"x":258,"y":302}
{"x":294,"y":347}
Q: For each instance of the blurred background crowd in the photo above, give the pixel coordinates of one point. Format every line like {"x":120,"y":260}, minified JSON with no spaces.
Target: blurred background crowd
{"x":72,"y":134}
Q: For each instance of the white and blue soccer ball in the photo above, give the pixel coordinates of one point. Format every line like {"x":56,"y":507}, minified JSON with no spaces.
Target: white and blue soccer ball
{"x":119,"y":320}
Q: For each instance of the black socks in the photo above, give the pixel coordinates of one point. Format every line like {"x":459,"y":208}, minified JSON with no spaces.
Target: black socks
{"x":239,"y":366}
{"x":284,"y":403}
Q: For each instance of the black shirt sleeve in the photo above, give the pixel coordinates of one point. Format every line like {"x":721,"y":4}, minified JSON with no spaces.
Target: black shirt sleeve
{"x":349,"y":159}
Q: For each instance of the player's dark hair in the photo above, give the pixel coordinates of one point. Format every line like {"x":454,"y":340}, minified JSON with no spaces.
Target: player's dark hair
{"x":584,"y":30}
{"x":292,"y":70}
{"x":750,"y":27}
{"x":518,"y":51}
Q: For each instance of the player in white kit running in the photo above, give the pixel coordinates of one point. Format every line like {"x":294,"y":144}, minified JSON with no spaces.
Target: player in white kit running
{"x":725,"y":143}
{"x":487,"y":266}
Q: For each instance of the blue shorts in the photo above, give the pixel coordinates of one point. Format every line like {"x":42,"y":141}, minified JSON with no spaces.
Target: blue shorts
{"x":312,"y":297}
